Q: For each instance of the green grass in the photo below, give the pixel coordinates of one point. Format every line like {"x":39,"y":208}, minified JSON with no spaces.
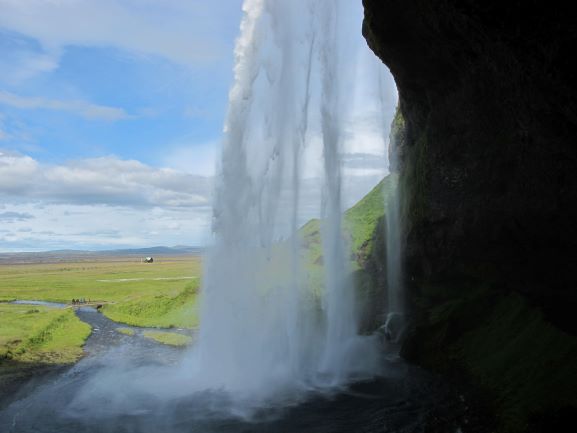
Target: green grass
{"x":111,"y":279}
{"x":359,"y":225}
{"x":125,"y":331}
{"x":40,"y":334}
{"x":361,"y":220}
{"x":162,"y":310}
{"x":161,"y":294}
{"x":169,"y":338}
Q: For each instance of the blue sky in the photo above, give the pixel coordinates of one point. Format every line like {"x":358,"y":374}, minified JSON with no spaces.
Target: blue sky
{"x":111,"y":115}
{"x":90,"y":89}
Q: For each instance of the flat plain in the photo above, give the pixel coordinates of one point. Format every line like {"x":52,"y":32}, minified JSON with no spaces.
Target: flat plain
{"x":159,"y":294}
{"x":162,"y":294}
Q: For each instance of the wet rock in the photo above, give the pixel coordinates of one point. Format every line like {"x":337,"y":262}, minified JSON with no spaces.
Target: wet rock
{"x":488,"y":95}
{"x":487,"y":164}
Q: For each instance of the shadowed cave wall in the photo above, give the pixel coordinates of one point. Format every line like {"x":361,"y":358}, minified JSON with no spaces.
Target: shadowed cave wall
{"x":489,"y":176}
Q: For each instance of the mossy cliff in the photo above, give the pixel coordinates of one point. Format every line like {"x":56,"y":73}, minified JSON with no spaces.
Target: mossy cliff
{"x":364,"y":233}
{"x":364,"y":230}
{"x":487,"y":171}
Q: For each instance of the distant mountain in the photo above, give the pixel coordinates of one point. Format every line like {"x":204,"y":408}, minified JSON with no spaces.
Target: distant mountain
{"x":67,"y":255}
{"x":176,"y":250}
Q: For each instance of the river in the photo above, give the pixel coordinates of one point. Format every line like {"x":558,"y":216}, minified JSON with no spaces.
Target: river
{"x":86,"y":398}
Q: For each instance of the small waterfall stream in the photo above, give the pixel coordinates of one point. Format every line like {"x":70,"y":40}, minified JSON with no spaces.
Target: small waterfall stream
{"x":395,"y":321}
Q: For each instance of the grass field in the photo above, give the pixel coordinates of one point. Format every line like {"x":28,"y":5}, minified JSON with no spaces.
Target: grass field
{"x":159,"y":294}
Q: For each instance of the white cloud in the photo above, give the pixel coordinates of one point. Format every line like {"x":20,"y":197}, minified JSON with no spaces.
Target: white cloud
{"x":17,"y":173}
{"x":184,"y":32}
{"x":9,"y":217}
{"x":64,"y":226}
{"x":107,"y":202}
{"x":100,"y":203}
{"x":21,"y":64}
{"x":81,"y":108}
{"x":106,"y":180}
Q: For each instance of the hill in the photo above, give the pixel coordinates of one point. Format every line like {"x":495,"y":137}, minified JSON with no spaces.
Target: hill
{"x":57,"y":256}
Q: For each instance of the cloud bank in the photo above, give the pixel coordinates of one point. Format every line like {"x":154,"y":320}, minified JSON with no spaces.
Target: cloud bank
{"x":108,"y":202}
{"x":106,"y":180}
{"x":99,"y":203}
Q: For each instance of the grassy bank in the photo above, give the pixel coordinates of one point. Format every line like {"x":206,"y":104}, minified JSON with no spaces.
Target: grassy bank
{"x":168,"y":338}
{"x":40,"y":334}
{"x":35,"y":337}
{"x":163,"y":310}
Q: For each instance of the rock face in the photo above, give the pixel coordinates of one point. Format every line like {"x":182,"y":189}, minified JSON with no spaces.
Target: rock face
{"x":489,"y":174}
{"x":489,"y":96}
{"x":490,"y":164}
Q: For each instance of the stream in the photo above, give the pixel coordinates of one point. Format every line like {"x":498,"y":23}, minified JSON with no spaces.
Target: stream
{"x":93,"y":396}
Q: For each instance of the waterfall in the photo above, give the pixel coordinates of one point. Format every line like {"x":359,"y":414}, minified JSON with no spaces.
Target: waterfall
{"x":395,"y":321}
{"x":264,"y":334}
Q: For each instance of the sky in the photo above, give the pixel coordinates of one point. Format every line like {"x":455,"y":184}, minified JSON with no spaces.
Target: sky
{"x":111,"y":115}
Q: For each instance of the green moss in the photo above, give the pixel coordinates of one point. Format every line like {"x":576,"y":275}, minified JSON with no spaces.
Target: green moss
{"x":398,"y":124}
{"x":503,"y":345}
{"x":361,"y":220}
{"x":525,"y":360}
{"x":414,"y":183}
{"x":359,"y":225}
